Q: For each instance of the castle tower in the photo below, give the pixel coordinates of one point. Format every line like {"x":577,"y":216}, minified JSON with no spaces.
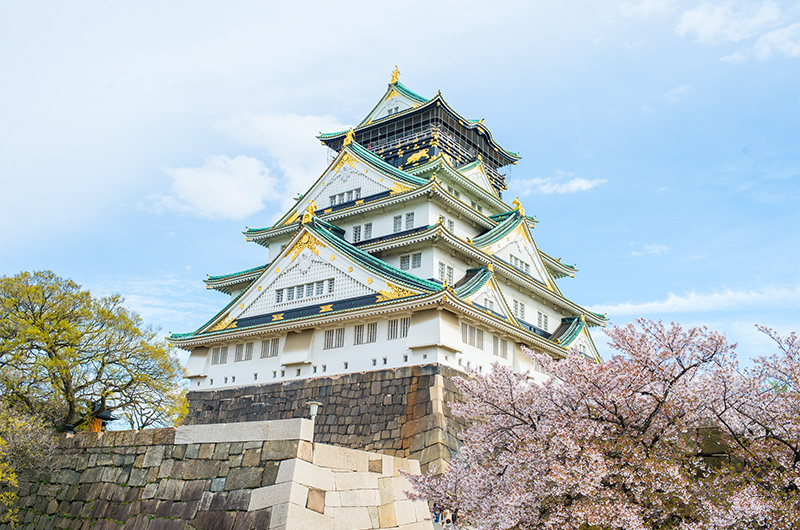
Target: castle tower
{"x":400,"y":267}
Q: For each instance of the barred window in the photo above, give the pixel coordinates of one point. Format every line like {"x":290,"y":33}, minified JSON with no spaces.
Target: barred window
{"x":472,"y":335}
{"x":356,"y":233}
{"x":405,"y":323}
{"x":334,"y":338}
{"x":367,"y":230}
{"x":279,"y":296}
{"x":500,"y":347}
{"x":219,"y":355}
{"x":488,"y":304}
{"x":330,"y":285}
{"x":450,"y":275}
{"x":416,"y":260}
{"x":269,"y":348}
{"x":442,"y":271}
{"x":358,"y":335}
{"x":372,"y":332}
{"x":405,"y":262}
{"x":541,"y":320}
{"x":519,"y":309}
{"x":394,"y":326}
{"x":290,"y":294}
{"x":409,"y":220}
{"x":300,"y":290}
{"x":451,"y":225}
{"x":320,"y":288}
{"x":239,"y":353}
{"x":398,"y":223}
{"x":248,"y":351}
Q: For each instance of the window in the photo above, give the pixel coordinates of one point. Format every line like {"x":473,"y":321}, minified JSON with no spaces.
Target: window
{"x":521,"y":265}
{"x":279,"y":296}
{"x":255,"y":376}
{"x":385,"y":360}
{"x":298,"y":372}
{"x":320,"y":288}
{"x":330,"y":285}
{"x":374,"y":362}
{"x":248,"y":351}
{"x":454,"y":192}
{"x":441,"y":271}
{"x":346,"y":364}
{"x":398,"y":223}
{"x":477,"y":206}
{"x":356,"y":233}
{"x":472,"y":335}
{"x":300,"y":290}
{"x":451,"y":226}
{"x":450,"y":275}
{"x":488,"y":304}
{"x":345,"y":196}
{"x":398,"y":328}
{"x":367,"y":230}
{"x":219,"y":355}
{"x":411,"y":261}
{"x":290,"y":294}
{"x":239,"y":353}
{"x":365,"y":333}
{"x":269,"y":348}
{"x":324,"y":367}
{"x":409,"y":221}
{"x":519,"y":309}
{"x":500,"y":347}
{"x":334,"y":338}
{"x":541,"y":320}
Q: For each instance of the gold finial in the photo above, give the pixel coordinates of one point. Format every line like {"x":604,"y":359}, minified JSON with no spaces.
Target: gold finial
{"x":480,"y":121}
{"x":440,"y":220}
{"x":395,"y":75}
{"x":517,"y":206}
{"x":349,"y":136}
{"x":490,"y":266}
{"x":309,"y":213}
{"x":480,"y":157}
{"x":444,"y":284}
{"x":583,"y":318}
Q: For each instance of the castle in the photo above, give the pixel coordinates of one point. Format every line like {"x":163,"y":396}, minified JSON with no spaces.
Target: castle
{"x":401,"y":261}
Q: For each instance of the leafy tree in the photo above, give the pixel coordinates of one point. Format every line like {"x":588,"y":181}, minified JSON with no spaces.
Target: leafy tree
{"x":670,"y":433}
{"x":69,"y":356}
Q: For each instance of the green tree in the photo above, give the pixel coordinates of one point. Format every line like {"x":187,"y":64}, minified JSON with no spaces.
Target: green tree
{"x":69,"y":356}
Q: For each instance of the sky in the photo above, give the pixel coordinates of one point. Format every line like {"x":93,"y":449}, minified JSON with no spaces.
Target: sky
{"x":660,"y":140}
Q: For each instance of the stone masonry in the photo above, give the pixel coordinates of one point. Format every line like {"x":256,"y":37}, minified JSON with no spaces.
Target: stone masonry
{"x":400,"y":412}
{"x":250,"y":475}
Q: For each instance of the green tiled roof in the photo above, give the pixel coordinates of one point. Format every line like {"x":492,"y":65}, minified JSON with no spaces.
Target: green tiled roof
{"x":379,"y":162}
{"x":568,"y":330}
{"x":476,"y":278}
{"x":499,"y":231}
{"x":327,"y":232}
{"x":234,"y":274}
{"x":400,"y":87}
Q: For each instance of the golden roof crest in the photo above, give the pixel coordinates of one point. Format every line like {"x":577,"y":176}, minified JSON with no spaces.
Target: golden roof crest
{"x":349,"y":136}
{"x":395,"y":75}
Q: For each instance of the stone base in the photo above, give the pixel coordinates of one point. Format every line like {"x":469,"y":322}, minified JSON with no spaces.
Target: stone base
{"x":400,"y":412}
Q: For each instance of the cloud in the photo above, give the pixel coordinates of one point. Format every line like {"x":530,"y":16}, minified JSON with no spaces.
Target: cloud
{"x":290,"y":140}
{"x":711,"y":24}
{"x":674,"y":94}
{"x":222,"y":187}
{"x":736,"y":57}
{"x":785,"y":40}
{"x":558,"y":184}
{"x":658,"y":249}
{"x":768,"y":298}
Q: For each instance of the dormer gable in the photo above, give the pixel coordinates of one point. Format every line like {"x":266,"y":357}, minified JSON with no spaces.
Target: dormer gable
{"x":477,"y":174}
{"x":480,"y":288}
{"x":352,"y":176}
{"x":512,"y":242}
{"x":316,"y":272}
{"x":397,"y":98}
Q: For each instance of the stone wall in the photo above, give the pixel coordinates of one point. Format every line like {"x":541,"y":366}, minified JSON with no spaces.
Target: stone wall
{"x":400,"y":412}
{"x":222,"y":477}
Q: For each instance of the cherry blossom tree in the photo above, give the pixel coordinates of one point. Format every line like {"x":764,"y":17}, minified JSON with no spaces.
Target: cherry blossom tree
{"x":669,"y":433}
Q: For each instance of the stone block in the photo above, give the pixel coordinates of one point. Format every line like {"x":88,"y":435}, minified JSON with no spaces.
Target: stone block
{"x":368,"y":497}
{"x":192,"y":451}
{"x":352,"y":480}
{"x":218,"y":484}
{"x":165,"y":470}
{"x":206,"y":451}
{"x":277,"y":494}
{"x":279,"y":450}
{"x":251,"y":457}
{"x":170,"y":489}
{"x":200,"y":469}
{"x":349,"y":498}
{"x":221,"y":451}
{"x":215,"y":520}
{"x":238,"y":500}
{"x":422,"y":510}
{"x":193,"y":490}
{"x":305,"y":450}
{"x":305,"y":473}
{"x":290,"y":516}
{"x":270,"y":473}
{"x":316,"y":500}
{"x":243,"y":478}
{"x":334,"y":457}
{"x":351,"y":518}
{"x":405,"y":512}
{"x":164,"y":436}
{"x":375,"y":466}
{"x":153,"y":456}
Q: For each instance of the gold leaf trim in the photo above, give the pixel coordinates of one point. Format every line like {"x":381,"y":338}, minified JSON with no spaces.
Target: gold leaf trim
{"x":307,"y":241}
{"x":393,"y":293}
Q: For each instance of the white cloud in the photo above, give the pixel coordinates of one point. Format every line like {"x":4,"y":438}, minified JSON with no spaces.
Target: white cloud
{"x":291,"y":141}
{"x":558,"y":184}
{"x":768,"y":297}
{"x":735,"y":57}
{"x":674,"y":94}
{"x":658,"y":249}
{"x":711,"y":24}
{"x":785,"y":40}
{"x":222,"y":187}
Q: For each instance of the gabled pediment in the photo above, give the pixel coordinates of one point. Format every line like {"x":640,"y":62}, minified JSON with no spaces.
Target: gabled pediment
{"x":476,"y":173}
{"x":317,"y":272}
{"x":353,"y":175}
{"x":512,"y":242}
{"x":481,"y":288}
{"x":396,"y":99}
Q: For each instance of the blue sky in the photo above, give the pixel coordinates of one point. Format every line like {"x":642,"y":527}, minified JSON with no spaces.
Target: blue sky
{"x":660,"y":139}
